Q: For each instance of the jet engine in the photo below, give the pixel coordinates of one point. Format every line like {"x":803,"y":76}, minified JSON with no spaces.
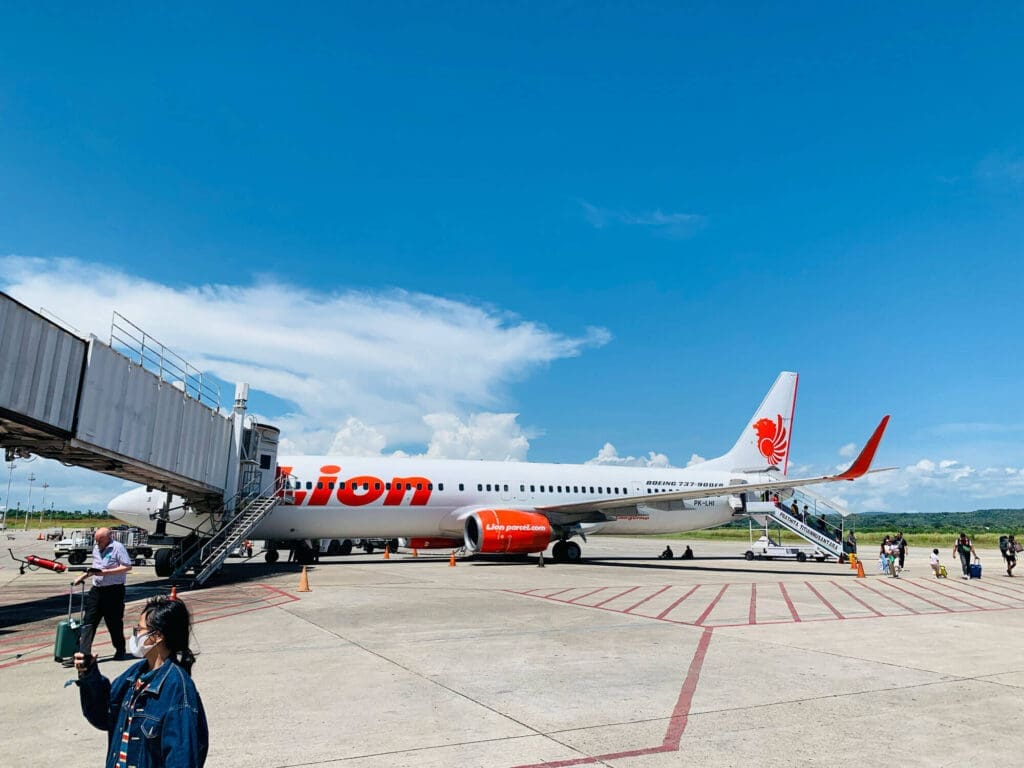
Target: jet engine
{"x":507,"y":531}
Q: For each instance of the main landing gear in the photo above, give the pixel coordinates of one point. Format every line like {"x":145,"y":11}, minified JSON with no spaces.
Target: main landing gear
{"x":566,"y":552}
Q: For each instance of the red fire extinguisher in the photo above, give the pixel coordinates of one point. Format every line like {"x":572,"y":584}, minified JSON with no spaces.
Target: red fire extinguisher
{"x":42,"y":562}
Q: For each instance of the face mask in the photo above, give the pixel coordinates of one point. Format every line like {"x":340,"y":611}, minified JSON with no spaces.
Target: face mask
{"x":136,"y":647}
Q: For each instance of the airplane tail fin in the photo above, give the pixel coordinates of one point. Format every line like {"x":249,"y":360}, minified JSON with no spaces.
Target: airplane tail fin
{"x":765,"y":440}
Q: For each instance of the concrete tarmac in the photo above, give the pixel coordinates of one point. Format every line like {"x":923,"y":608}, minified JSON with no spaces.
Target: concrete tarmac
{"x":625,"y":660}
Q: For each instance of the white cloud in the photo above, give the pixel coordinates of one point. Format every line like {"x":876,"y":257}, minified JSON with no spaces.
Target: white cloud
{"x":484,"y":436}
{"x":848,"y":451}
{"x":673,"y":224}
{"x":608,"y":456}
{"x":357,"y":439}
{"x":357,"y":370}
{"x":695,"y":459}
{"x":384,"y":358}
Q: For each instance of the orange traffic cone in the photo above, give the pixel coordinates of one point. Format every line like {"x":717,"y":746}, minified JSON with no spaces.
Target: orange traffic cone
{"x":387,"y":552}
{"x":860,"y":570}
{"x":853,"y":562}
{"x":415,"y":553}
{"x":451,"y":560}
{"x":39,"y":537}
{"x":174,"y":591}
{"x":304,"y":581}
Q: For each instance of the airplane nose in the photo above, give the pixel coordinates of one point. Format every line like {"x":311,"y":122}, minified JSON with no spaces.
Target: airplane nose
{"x":128,"y":503}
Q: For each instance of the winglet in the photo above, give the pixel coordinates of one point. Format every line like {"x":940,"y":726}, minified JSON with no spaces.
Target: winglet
{"x":863,"y":462}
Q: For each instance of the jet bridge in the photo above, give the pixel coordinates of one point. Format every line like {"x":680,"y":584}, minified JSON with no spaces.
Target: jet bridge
{"x":133,"y":409}
{"x":130,"y":408}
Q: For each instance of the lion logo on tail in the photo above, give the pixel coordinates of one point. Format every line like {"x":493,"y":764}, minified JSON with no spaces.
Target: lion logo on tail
{"x":772,"y":440}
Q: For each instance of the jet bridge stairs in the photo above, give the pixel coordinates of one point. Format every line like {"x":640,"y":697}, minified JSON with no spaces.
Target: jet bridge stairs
{"x":204,"y":556}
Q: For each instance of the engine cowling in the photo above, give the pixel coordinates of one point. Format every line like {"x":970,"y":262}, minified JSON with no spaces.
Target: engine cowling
{"x":507,"y":531}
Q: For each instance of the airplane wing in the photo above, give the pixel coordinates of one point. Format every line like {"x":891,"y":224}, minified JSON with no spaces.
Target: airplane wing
{"x":605,"y":509}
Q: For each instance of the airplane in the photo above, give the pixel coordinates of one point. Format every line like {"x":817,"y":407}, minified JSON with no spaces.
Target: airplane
{"x":506,"y":507}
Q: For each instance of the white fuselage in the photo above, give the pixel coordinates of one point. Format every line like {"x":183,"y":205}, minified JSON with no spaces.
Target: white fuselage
{"x":347,"y":497}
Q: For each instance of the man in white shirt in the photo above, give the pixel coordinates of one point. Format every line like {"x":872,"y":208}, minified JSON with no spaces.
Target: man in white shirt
{"x":110,"y":564}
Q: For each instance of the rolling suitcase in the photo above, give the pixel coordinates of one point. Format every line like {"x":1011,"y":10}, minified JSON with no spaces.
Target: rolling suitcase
{"x":69,"y":630}
{"x":975,"y":570}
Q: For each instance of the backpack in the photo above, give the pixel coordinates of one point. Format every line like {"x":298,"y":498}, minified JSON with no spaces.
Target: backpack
{"x":1003,"y":544}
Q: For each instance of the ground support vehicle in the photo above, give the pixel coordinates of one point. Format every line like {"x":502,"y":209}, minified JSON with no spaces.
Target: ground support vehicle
{"x":78,"y":547}
{"x":766,"y":548}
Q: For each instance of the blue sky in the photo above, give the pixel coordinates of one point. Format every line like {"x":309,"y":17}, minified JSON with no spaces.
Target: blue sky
{"x":618,"y":223}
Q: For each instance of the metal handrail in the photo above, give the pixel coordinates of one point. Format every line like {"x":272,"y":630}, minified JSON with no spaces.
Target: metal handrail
{"x":155,"y":357}
{"x":277,"y":486}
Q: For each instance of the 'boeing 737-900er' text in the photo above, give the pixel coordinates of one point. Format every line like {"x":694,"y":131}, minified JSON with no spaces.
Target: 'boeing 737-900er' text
{"x":517,"y":507}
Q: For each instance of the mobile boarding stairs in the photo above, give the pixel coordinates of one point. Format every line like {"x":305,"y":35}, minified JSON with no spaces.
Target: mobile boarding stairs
{"x":829,"y":540}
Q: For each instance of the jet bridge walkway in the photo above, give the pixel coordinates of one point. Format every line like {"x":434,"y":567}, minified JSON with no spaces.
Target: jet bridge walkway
{"x":130,"y":408}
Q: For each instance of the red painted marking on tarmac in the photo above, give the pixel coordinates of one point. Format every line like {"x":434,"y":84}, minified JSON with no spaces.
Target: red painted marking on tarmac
{"x":844,"y":589}
{"x":637,"y":605}
{"x":752,"y":615}
{"x":918,"y":597}
{"x":948,"y":593}
{"x":789,"y":603}
{"x":890,"y":599}
{"x":548,"y":597}
{"x":677,"y":722}
{"x":974,"y":587}
{"x":710,"y":608}
{"x":668,"y":610}
{"x":821,"y":597}
{"x":631,"y":589}
{"x":588,"y":594}
{"x":16,"y":662}
{"x":681,"y":713}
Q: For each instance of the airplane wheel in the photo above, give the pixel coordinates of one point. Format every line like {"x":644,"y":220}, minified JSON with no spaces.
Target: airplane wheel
{"x":392,"y":546}
{"x":163,"y":562}
{"x":558,"y":551}
{"x":749,"y":555}
{"x":346,"y":547}
{"x":271,"y":556}
{"x":572,"y":552}
{"x":368,"y":549}
{"x":334,"y":548}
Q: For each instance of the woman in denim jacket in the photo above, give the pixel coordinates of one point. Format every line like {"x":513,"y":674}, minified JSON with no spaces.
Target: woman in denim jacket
{"x":152,"y":713}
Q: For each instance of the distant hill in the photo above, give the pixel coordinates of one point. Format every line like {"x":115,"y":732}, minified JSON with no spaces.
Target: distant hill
{"x":994,"y":520}
{"x":981,"y":520}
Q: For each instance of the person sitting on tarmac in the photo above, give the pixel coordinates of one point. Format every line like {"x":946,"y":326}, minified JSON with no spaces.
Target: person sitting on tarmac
{"x":687,"y":554}
{"x":667,"y":554}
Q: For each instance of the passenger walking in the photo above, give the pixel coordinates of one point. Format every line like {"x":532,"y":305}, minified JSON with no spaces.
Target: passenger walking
{"x":794,"y":509}
{"x":892,"y":551}
{"x":903,"y":548}
{"x":937,"y":568}
{"x":1011,"y":554}
{"x":964,"y":548}
{"x":152,"y":712}
{"x":110,"y":564}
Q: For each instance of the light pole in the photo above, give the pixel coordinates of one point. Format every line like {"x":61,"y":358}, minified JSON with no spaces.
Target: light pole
{"x":42,"y":503}
{"x":28,"y":509}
